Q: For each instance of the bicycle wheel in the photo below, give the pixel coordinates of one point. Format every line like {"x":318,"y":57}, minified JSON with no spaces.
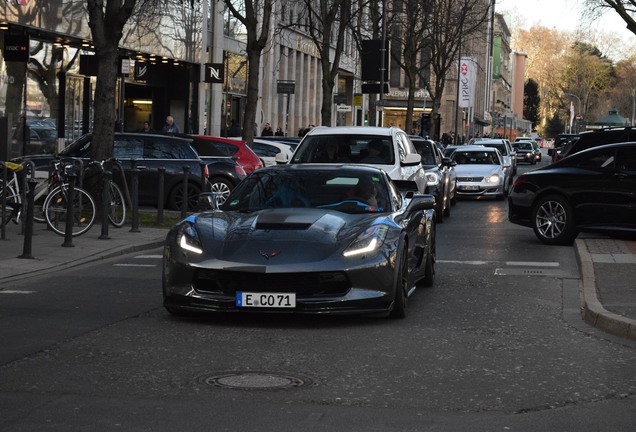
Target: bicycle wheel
{"x":117,"y":213}
{"x":39,"y":196}
{"x":12,"y":205}
{"x":55,"y":211}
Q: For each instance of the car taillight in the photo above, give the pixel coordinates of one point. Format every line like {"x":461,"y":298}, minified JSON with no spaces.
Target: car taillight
{"x":206,"y":171}
{"x":519,"y":181}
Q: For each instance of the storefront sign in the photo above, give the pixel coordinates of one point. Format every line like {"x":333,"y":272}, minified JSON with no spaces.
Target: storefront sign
{"x":285,"y":87}
{"x":142,"y":71}
{"x":16,"y":48}
{"x":343,"y":108}
{"x":215,"y":73}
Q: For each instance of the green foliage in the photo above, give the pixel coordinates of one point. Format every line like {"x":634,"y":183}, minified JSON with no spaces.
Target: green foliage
{"x":554,"y":126}
{"x":531,"y":100}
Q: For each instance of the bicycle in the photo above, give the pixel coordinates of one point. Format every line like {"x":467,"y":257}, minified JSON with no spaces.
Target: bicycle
{"x":115,"y":198}
{"x":56,"y":205}
{"x":13,"y":200}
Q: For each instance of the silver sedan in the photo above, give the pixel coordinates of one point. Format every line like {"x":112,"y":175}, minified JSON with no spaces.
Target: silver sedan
{"x":480,"y":172}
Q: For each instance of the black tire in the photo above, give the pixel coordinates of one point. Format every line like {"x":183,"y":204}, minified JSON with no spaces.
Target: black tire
{"x":56,"y":210}
{"x":222,"y":187}
{"x":400,"y":283}
{"x":430,"y":265}
{"x":553,"y":221}
{"x":439,"y":206}
{"x":117,"y":214}
{"x":175,"y":199}
{"x":447,"y":209}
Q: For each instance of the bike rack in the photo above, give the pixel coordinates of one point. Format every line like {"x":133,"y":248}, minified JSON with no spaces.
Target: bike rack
{"x":3,"y":200}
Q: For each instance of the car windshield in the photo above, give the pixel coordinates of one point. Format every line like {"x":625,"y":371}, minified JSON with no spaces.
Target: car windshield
{"x":426,"y":151}
{"x":346,"y":148}
{"x":501,"y":147}
{"x":525,"y":146}
{"x":345,"y":191}
{"x":476,"y":158}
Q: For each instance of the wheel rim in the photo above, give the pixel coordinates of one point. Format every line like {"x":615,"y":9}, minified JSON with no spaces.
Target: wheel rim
{"x":222,"y":191}
{"x":551,"y":219}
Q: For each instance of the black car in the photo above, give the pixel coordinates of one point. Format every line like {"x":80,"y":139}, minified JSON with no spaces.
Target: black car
{"x":440,"y":181}
{"x":303,"y":239}
{"x":558,"y":143}
{"x":592,"y":190}
{"x":151,"y":152}
{"x":586,"y":140}
{"x":525,"y":152}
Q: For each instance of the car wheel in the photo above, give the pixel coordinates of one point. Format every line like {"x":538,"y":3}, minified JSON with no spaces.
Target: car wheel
{"x":439,"y":206}
{"x":447,"y":209}
{"x":175,"y":200}
{"x":400,"y":283}
{"x":553,"y":221}
{"x":222,"y":188}
{"x":431,"y":262}
{"x":454,"y":197}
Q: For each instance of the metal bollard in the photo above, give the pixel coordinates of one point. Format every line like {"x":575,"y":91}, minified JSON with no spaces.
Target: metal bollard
{"x":68,"y":232}
{"x":184,"y":203}
{"x":28,"y":222}
{"x":106,"y":203}
{"x":160,"y":194}
{"x":135,"y":196}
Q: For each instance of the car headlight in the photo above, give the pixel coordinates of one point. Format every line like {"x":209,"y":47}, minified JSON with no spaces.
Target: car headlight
{"x":368,"y":241}
{"x":492,"y":178}
{"x":188,"y":239}
{"x":431,"y":179}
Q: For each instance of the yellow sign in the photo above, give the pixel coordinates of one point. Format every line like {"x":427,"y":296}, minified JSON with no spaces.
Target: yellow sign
{"x":357,"y":100}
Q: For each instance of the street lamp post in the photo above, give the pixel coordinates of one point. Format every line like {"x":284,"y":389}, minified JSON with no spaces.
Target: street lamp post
{"x":578,"y":109}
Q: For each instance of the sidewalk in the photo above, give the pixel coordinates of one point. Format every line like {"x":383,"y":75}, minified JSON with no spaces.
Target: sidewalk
{"x":607,"y":266}
{"x":608,"y":284}
{"x":48,"y":254}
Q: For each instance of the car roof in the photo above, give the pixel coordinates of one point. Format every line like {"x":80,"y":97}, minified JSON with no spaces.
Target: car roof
{"x":347,"y":130}
{"x":353,"y":168}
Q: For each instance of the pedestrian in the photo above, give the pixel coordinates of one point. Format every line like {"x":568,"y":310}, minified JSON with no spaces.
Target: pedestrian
{"x":235,"y":129}
{"x":147,"y":128}
{"x":267,"y":130}
{"x":170,"y":126}
{"x":279,"y":132}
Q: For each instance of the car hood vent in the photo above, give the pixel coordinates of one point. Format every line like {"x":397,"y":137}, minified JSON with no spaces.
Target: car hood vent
{"x":282,"y":226}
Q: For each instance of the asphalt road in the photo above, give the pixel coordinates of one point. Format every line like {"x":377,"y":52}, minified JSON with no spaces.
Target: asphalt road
{"x":495,"y":345}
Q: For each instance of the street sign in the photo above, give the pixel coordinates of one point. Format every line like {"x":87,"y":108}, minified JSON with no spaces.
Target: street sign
{"x":343,"y":108}
{"x":214,"y":73}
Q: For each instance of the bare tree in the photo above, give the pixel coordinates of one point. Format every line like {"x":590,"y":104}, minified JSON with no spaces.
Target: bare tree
{"x":106,"y":18}
{"x":452,"y":24}
{"x":255,"y":15}
{"x":326,"y":22}
{"x":626,"y":9}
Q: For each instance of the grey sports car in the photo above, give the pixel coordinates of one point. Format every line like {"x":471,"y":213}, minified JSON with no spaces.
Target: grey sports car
{"x":303,"y":239}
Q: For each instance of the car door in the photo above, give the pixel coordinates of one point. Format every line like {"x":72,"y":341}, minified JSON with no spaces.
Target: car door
{"x":624,"y":182}
{"x":603,"y":191}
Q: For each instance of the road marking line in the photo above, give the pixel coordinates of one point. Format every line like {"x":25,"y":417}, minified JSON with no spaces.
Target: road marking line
{"x":507,"y":263}
{"x":16,"y":292}
{"x":149,"y":256}
{"x":136,"y":265}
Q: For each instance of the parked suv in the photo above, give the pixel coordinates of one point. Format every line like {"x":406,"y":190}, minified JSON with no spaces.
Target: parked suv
{"x":596,"y":138}
{"x":151,"y":152}
{"x":387,"y":148}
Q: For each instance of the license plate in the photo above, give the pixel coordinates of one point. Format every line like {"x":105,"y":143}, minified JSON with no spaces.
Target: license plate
{"x":469,"y":188}
{"x":268,"y":300}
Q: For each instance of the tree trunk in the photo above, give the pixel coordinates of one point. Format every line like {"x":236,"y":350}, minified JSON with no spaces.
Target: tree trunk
{"x":105,"y":111}
{"x":249,"y":117}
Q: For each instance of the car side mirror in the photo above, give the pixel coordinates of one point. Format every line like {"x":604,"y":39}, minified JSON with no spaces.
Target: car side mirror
{"x":448,"y":162}
{"x":281,"y":158}
{"x":421,"y":202}
{"x":207,"y":201}
{"x":411,"y":159}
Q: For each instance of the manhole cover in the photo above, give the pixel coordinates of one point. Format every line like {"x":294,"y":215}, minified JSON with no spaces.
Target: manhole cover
{"x":256,"y":380}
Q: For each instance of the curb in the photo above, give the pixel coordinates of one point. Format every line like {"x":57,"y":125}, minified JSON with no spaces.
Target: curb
{"x":593,"y":311}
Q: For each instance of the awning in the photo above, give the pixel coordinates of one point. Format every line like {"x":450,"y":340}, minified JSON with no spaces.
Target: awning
{"x":480,"y":121}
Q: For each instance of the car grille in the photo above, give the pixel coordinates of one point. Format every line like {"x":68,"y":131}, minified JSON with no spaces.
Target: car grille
{"x":469,"y":179}
{"x":306,"y":284}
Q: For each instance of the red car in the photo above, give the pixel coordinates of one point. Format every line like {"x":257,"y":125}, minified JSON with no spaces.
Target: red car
{"x":237,"y":149}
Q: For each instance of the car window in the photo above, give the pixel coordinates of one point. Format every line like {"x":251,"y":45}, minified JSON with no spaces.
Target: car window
{"x":265,"y":149}
{"x":207,"y":148}
{"x":626,"y":159}
{"x":166,"y":149}
{"x":501,"y":147}
{"x":346,"y":148}
{"x":603,"y":159}
{"x":128,"y":148}
{"x":225,"y":148}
